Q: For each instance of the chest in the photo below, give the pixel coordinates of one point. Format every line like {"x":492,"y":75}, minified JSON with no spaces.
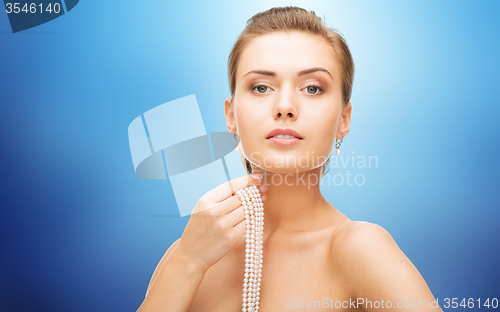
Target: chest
{"x":295,"y":274}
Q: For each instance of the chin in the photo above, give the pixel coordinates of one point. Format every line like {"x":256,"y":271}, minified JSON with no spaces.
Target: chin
{"x":288,"y":170}
{"x":286,"y":161}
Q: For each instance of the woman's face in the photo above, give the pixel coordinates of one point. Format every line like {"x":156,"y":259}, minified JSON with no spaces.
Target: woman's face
{"x":288,"y":81}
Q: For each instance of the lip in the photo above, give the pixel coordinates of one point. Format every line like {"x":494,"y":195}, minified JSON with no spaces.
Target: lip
{"x":284,"y":141}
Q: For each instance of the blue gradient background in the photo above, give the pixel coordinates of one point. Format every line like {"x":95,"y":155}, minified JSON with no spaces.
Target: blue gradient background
{"x":81,"y":232}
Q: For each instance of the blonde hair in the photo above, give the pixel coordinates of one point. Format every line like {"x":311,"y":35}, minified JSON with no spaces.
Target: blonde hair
{"x":288,"y":19}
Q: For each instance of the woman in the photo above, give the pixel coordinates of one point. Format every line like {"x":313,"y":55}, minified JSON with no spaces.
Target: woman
{"x":287,"y":71}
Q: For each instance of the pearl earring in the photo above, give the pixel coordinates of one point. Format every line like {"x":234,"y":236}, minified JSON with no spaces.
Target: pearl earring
{"x":337,"y":146}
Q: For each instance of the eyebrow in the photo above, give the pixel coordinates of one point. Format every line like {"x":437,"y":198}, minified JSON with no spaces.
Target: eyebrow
{"x":300,"y":73}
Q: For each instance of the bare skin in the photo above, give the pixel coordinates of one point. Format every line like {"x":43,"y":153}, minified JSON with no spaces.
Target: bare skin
{"x":338,"y":259}
{"x":296,"y":265}
{"x":312,"y":252}
{"x":346,"y":260}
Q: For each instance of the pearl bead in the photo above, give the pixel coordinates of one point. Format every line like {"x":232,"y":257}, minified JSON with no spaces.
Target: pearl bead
{"x":337,"y":152}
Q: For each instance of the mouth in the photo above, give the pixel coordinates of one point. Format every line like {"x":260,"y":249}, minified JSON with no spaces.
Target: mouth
{"x":282,"y":136}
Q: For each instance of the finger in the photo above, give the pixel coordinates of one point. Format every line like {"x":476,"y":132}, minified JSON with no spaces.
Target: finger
{"x":227,"y":205}
{"x":239,"y":230}
{"x":226,"y":189}
{"x":235,"y":216}
{"x":263,"y":188}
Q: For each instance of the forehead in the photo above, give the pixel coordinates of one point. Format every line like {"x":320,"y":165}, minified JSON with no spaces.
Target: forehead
{"x":286,"y":54}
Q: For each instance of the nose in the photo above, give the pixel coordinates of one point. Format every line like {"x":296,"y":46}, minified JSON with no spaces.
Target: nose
{"x":286,"y":106}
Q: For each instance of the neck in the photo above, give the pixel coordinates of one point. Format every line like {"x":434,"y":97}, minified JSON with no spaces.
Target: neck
{"x":294,"y":201}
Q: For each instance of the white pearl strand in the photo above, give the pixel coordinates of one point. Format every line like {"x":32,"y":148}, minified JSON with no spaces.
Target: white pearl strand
{"x":254,"y":218}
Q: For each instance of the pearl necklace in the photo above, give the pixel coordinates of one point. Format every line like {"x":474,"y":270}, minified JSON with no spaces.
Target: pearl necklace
{"x":254,"y":218}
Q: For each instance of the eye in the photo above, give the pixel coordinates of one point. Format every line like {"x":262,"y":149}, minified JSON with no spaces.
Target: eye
{"x":313,"y":87}
{"x":260,"y":88}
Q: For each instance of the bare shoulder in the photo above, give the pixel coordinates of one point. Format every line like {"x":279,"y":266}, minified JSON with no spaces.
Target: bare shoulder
{"x":360,"y":242}
{"x":359,"y":247}
{"x":359,"y":234}
{"x":372,"y":265}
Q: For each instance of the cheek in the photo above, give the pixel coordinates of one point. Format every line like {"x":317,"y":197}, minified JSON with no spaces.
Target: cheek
{"x":246,"y":120}
{"x":324,"y":121}
{"x":323,"y":130}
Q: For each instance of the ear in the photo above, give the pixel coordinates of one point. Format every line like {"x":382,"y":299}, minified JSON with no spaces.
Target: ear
{"x":345,"y":121}
{"x":229,"y":112}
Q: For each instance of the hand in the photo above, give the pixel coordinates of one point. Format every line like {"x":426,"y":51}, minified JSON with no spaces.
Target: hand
{"x":216,"y":224}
